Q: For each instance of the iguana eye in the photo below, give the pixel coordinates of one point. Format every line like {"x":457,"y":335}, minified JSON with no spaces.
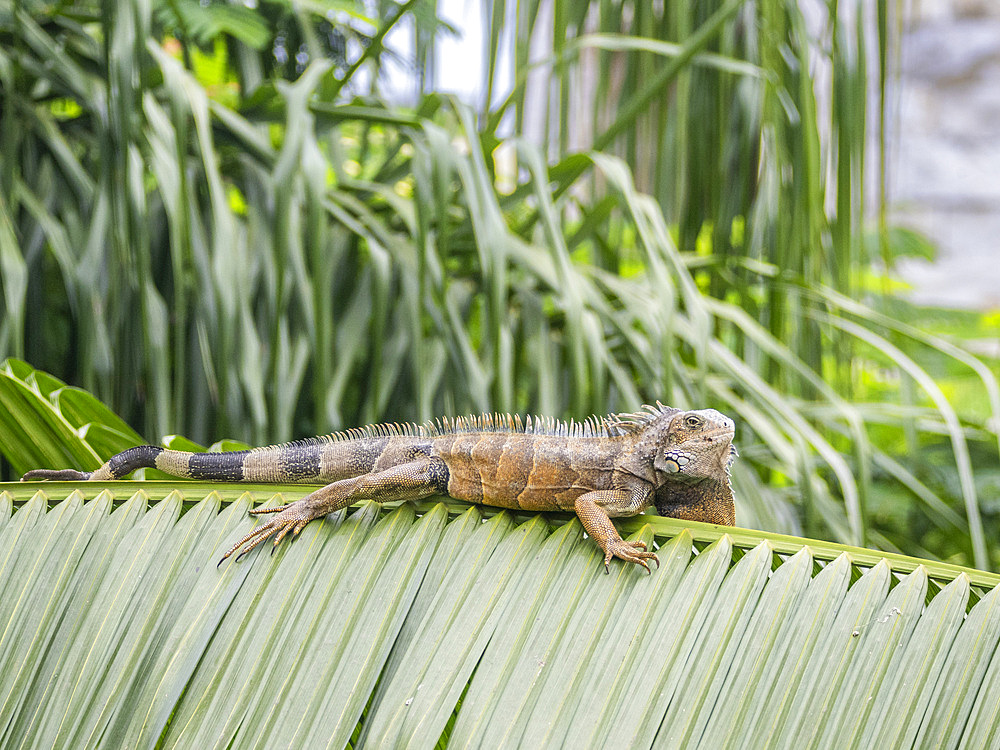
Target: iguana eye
{"x":692,"y":421}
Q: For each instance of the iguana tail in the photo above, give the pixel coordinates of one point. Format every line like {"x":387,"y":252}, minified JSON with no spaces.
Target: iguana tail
{"x":318,"y":460}
{"x":218,"y":466}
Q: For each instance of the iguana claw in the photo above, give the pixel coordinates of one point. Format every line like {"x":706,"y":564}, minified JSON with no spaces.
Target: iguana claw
{"x":292,"y":517}
{"x":634,"y":552}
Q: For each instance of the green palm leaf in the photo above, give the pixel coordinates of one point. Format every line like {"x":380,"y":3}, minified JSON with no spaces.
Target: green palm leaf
{"x":431,"y":623}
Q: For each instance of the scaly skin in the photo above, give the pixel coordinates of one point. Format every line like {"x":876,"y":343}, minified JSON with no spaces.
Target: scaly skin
{"x":600,"y":469}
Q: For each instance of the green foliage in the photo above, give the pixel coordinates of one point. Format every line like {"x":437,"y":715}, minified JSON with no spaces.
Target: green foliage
{"x":215,"y":240}
{"x":45,"y":421}
{"x":434,"y":624}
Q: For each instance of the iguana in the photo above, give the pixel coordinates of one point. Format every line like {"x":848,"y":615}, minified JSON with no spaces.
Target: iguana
{"x":601,"y":468}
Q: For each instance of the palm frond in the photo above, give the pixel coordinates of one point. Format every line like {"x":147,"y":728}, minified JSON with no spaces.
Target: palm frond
{"x":440,"y":622}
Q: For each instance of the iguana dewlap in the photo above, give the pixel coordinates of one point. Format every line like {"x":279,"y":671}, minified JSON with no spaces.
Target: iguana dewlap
{"x":601,"y":468}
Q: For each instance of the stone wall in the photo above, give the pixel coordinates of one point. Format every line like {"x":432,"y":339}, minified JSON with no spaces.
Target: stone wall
{"x":945,"y":150}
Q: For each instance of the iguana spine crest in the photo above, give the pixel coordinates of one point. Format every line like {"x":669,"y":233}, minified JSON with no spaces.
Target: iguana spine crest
{"x":612,"y":425}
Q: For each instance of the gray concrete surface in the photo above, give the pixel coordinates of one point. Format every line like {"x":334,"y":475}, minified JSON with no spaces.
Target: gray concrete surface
{"x":944,"y":169}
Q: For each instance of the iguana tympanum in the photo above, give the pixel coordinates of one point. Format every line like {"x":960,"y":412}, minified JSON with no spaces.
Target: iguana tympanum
{"x":601,"y":468}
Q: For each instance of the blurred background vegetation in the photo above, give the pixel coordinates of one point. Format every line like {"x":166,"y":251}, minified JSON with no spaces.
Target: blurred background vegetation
{"x":225,"y":220}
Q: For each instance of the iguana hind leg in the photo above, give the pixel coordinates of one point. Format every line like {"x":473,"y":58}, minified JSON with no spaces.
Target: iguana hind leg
{"x":410,"y":481}
{"x":592,"y":508}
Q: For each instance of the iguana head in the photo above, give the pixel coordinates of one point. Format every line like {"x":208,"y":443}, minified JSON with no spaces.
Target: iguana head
{"x":686,"y":456}
{"x":692,"y":468}
{"x":683,"y":446}
{"x":695,"y":445}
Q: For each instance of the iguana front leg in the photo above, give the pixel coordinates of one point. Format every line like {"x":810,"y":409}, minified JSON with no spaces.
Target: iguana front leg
{"x":592,"y":508}
{"x":410,"y":481}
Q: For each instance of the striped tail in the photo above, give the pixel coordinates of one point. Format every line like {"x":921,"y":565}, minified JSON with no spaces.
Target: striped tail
{"x":217,"y":466}
{"x":322,"y":459}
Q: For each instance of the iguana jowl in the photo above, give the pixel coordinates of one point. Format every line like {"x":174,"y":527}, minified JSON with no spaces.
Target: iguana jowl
{"x":601,"y":468}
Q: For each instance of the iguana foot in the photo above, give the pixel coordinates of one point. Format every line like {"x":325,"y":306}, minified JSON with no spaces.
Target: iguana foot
{"x":292,"y":517}
{"x":634,"y":552}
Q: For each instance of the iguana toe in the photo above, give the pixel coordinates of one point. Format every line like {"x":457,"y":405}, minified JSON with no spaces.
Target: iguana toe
{"x":290,"y":518}
{"x":634,"y":552}
{"x":275,"y":509}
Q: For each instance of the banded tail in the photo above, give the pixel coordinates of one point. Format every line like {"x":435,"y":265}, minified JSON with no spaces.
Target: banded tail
{"x":219,"y":466}
{"x":320,"y":460}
